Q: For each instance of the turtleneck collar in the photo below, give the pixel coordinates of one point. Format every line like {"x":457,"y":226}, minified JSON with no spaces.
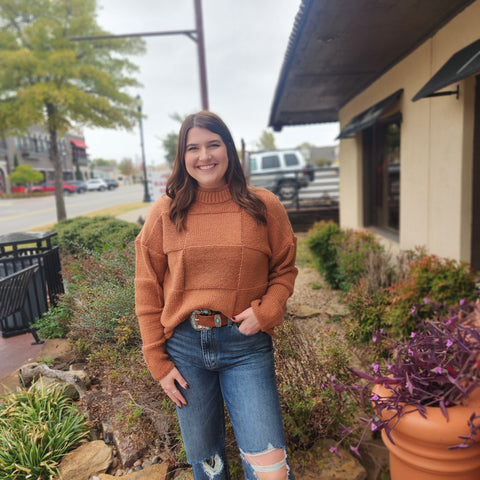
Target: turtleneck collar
{"x":214,"y":195}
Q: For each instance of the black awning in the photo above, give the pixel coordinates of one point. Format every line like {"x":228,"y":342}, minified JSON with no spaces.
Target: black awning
{"x":462,"y":64}
{"x":369,"y":117}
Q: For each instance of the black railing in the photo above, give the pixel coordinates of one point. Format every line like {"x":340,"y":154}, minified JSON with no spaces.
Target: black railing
{"x":21,"y":250}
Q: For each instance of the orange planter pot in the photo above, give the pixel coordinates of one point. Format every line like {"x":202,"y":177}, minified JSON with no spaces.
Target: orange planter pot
{"x":421,"y":444}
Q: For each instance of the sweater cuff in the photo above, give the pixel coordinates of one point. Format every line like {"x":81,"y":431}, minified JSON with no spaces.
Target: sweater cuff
{"x":270,"y":309}
{"x":158,"y":361}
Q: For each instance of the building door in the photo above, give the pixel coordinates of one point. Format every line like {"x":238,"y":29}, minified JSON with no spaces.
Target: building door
{"x":476,"y":182}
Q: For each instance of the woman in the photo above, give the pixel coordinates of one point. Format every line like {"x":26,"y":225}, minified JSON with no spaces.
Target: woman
{"x":215,"y":266}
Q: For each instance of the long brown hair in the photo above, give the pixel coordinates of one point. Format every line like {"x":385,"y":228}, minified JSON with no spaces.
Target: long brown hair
{"x":181,"y":187}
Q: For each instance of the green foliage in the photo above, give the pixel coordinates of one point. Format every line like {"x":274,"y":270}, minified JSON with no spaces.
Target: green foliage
{"x":431,"y":281}
{"x":323,"y":241}
{"x":95,"y":234}
{"x":104,"y":310}
{"x":367,"y":310}
{"x":304,"y":367}
{"x":37,"y":428}
{"x":341,"y":255}
{"x":266,"y":141}
{"x":25,"y":175}
{"x":169,"y":143}
{"x":46,"y":78}
{"x":56,"y":322}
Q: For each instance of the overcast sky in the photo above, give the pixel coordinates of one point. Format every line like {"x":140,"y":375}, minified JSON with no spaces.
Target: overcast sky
{"x":245,"y":43}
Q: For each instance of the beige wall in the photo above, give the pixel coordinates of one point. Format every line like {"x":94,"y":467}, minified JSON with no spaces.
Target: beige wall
{"x":436,"y":147}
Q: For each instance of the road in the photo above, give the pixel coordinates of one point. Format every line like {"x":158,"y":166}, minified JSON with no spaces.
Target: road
{"x":18,"y":215}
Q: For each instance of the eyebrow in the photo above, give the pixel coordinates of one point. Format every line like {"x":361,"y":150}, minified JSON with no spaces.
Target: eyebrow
{"x":193,"y":144}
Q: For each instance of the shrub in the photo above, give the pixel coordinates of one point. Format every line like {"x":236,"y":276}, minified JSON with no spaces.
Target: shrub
{"x":104,"y":308}
{"x":432,"y":284}
{"x":310,"y":411}
{"x":56,"y":322}
{"x":95,"y":234}
{"x":341,"y":255}
{"x":323,"y":242}
{"x":38,"y":427}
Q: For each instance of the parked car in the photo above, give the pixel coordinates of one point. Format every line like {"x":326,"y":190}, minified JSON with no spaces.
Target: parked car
{"x":280,"y":171}
{"x":111,"y":183}
{"x":80,"y":185}
{"x":96,"y":184}
{"x":50,"y":188}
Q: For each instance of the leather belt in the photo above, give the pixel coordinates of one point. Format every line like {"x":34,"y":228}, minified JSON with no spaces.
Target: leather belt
{"x":207,"y":319}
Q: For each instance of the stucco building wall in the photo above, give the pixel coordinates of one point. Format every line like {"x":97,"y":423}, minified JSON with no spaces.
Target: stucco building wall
{"x":436,"y":147}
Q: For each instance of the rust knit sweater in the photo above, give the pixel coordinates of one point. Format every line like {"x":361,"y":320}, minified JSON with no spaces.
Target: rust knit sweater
{"x":223,"y":261}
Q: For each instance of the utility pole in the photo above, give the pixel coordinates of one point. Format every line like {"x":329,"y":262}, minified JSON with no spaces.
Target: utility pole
{"x":195,"y":35}
{"x":146,"y":193}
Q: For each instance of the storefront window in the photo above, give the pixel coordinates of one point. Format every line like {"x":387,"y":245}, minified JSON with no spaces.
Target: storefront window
{"x":381,"y":160}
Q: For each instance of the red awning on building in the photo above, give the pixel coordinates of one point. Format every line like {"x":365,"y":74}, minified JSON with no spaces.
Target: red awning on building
{"x":78,"y":143}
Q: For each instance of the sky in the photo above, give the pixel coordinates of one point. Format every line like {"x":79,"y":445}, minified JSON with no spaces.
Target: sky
{"x":245,"y":44}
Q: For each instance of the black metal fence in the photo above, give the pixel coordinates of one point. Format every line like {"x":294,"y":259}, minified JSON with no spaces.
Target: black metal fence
{"x":20,"y":250}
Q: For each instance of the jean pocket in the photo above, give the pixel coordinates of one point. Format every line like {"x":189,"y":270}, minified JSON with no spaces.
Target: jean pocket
{"x":236,"y":328}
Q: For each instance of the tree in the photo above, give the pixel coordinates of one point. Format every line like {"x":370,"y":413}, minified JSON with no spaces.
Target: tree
{"x":170,"y":141}
{"x":47,"y":79}
{"x":25,"y":175}
{"x":126,"y":167}
{"x":170,"y":146}
{"x":266,"y":141}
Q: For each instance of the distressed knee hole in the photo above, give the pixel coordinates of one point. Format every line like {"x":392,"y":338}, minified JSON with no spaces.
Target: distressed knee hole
{"x":212,"y":466}
{"x":268,"y":464}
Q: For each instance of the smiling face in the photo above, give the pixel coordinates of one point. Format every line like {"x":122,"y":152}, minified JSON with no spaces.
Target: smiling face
{"x":206,"y":158}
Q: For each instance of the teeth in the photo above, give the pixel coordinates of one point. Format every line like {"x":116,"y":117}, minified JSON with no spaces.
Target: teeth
{"x":206,"y":167}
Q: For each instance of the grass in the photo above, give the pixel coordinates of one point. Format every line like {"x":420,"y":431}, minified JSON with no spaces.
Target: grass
{"x":113,"y":211}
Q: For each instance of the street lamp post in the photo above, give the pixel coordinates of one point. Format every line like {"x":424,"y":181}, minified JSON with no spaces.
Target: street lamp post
{"x":146,"y":193}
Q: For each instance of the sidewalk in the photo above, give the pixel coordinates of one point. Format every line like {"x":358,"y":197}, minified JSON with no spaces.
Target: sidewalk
{"x":17,"y":350}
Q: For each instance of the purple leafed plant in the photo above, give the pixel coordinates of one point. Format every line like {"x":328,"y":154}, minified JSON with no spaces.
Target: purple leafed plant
{"x":438,"y":366}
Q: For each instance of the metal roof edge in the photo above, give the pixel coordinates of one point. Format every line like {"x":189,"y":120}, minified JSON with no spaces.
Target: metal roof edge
{"x":299,"y":23}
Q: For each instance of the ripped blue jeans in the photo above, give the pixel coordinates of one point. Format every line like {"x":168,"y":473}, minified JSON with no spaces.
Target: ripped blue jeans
{"x":224,"y":366}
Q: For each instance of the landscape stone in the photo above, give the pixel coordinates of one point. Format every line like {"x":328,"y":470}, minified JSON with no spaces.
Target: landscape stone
{"x":154,"y":472}
{"x":89,"y":459}
{"x":130,"y":446}
{"x":319,"y":463}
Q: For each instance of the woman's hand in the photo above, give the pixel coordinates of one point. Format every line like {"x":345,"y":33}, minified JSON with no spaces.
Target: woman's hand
{"x":169,"y":385}
{"x":248,"y":322}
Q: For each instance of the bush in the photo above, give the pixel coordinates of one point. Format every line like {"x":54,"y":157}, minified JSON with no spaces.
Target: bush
{"x":37,"y":428}
{"x":341,"y":255}
{"x":304,"y":368}
{"x":433,"y":284}
{"x":95,"y":234}
{"x":323,"y":241}
{"x":104,"y":292}
{"x":56,"y":322}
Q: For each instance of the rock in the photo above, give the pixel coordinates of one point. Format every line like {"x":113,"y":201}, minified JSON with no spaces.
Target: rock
{"x":130,"y":445}
{"x":319,"y":463}
{"x":89,"y":459}
{"x":183,"y":475}
{"x":303,"y":311}
{"x":154,"y":472}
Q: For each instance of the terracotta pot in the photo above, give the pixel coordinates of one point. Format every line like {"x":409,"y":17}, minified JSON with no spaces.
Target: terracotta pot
{"x":421,"y":452}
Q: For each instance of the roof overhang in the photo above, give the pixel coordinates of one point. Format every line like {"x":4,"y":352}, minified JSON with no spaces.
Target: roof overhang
{"x":337,"y":48}
{"x":78,"y":143}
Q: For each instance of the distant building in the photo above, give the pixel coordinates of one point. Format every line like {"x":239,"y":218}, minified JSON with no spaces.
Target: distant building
{"x":316,"y":155}
{"x":34,"y":149}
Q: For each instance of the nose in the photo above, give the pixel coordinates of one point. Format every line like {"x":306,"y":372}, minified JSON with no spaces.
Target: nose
{"x":203,"y":154}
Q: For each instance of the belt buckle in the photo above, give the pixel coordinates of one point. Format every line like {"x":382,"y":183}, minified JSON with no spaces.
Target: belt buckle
{"x":194,"y":320}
